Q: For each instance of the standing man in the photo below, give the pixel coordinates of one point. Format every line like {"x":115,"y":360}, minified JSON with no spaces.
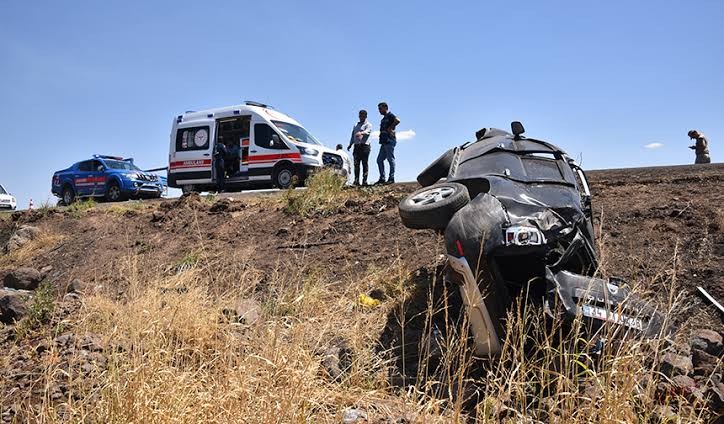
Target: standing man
{"x":701,"y":147}
{"x":361,"y":153}
{"x":388,"y":141}
{"x":220,"y":152}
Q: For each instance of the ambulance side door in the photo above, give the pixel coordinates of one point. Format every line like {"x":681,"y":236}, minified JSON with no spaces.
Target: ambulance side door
{"x":192,"y":158}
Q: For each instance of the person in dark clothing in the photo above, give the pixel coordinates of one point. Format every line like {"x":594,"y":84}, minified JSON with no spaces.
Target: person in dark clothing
{"x":388,"y":141}
{"x":361,"y":153}
{"x":220,"y":152}
{"x":233,"y":153}
{"x":701,"y":147}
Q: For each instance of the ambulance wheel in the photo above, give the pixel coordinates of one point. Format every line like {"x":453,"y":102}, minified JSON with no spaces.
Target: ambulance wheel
{"x":283,"y":177}
{"x":68,"y":195}
{"x":114,"y":193}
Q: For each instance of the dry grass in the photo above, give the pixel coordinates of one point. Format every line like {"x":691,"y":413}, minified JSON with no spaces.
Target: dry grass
{"x":40,"y":245}
{"x":174,"y":357}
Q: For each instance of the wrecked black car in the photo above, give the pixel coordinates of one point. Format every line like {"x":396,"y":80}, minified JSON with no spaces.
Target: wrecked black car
{"x":516,"y":214}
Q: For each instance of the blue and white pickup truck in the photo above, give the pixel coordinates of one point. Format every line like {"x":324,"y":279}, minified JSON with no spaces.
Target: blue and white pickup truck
{"x":110,"y":177}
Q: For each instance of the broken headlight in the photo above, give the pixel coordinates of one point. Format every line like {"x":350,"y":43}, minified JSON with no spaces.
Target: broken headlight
{"x":523,"y":236}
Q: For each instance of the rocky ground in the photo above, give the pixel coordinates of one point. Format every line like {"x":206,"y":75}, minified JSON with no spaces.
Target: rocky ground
{"x":661,"y":229}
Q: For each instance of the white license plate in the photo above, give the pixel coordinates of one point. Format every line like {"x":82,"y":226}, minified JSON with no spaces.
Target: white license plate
{"x":616,"y":318}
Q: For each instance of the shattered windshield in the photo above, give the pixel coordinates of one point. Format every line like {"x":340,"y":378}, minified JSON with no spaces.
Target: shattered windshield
{"x":295,"y":133}
{"x":121,"y":164}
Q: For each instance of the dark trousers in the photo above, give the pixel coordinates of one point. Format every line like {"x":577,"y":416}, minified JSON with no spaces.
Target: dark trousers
{"x":220,"y":177}
{"x":361,"y":155}
{"x":702,"y":158}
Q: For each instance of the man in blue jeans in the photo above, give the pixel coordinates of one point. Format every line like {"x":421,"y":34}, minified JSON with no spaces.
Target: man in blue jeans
{"x":388,"y":141}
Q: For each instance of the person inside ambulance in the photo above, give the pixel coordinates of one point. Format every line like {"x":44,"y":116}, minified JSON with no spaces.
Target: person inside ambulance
{"x":220,"y":153}
{"x":232,"y":157}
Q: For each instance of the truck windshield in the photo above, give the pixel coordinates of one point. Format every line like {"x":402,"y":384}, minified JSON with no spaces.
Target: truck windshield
{"x":296,"y":133}
{"x":121,"y":164}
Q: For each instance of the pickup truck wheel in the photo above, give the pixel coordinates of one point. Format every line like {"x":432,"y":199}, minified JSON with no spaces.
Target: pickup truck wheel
{"x":68,"y":195}
{"x":114,"y":193}
{"x":433,"y":207}
{"x":283,"y":177}
{"x":436,"y":170}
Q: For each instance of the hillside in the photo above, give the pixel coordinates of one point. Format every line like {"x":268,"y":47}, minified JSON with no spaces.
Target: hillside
{"x":312,"y":306}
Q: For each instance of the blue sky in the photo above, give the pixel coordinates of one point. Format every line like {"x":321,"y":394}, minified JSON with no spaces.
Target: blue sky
{"x":600,"y":79}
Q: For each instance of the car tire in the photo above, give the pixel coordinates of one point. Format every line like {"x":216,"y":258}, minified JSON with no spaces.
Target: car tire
{"x":283,"y":177}
{"x":436,"y":170}
{"x":114,"y":193}
{"x":433,"y":207}
{"x":68,"y":195}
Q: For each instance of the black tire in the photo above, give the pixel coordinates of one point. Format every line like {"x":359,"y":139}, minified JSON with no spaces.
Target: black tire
{"x":114,"y":193}
{"x":433,"y":207}
{"x":283,"y":177}
{"x":68,"y":195}
{"x":436,"y":170}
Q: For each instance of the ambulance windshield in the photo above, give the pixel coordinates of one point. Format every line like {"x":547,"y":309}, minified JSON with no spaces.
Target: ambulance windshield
{"x":296,"y":133}
{"x":2,"y":190}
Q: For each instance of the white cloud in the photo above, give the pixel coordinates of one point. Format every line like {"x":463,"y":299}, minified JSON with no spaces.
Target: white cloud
{"x":401,"y":135}
{"x":652,"y":146}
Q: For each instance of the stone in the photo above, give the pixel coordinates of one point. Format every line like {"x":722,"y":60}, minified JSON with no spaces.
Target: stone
{"x":79,"y":286}
{"x":709,"y":341}
{"x":704,"y":363}
{"x":21,"y":237}
{"x":337,"y":360}
{"x":65,"y":340}
{"x":24,"y":278}
{"x":673,"y":364}
{"x":354,"y":415}
{"x":90,"y":342}
{"x":13,"y":306}
{"x":247,"y":311}
{"x":157,"y":216}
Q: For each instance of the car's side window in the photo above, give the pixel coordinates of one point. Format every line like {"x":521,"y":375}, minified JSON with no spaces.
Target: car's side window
{"x":95,"y":164}
{"x":85,"y":166}
{"x":266,"y":137}
{"x":196,"y":138}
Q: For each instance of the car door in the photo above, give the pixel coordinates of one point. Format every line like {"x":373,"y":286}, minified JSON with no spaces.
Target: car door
{"x":82,"y":181}
{"x":97,"y":176}
{"x":191,"y":159}
{"x":267,"y":148}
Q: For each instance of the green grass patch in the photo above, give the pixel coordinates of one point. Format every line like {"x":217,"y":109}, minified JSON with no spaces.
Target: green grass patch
{"x":80,"y":207}
{"x":325,"y":193}
{"x":40,"y":310}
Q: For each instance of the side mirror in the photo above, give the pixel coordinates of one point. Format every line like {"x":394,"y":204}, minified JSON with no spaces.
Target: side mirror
{"x":517,"y":129}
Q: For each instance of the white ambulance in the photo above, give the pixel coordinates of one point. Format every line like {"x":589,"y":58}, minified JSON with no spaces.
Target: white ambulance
{"x":266,"y":149}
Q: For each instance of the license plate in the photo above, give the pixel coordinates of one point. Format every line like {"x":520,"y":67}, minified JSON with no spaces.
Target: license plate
{"x":616,"y":318}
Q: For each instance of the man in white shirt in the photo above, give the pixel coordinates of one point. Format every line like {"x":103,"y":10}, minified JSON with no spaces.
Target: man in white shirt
{"x":360,"y":139}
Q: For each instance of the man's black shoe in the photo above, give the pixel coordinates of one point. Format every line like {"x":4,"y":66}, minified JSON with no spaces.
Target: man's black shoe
{"x":356,"y":183}
{"x":380,"y":181}
{"x":391,"y":181}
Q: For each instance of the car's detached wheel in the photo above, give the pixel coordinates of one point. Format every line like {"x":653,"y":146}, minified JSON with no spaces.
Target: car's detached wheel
{"x":433,"y":207}
{"x":436,"y":170}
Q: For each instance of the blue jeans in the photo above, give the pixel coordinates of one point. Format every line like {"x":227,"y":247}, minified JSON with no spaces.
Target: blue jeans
{"x":387,"y":151}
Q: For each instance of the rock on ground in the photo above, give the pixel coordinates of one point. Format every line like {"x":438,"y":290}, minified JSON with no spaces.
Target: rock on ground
{"x":24,"y":278}
{"x":12,"y":305}
{"x":21,"y":237}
